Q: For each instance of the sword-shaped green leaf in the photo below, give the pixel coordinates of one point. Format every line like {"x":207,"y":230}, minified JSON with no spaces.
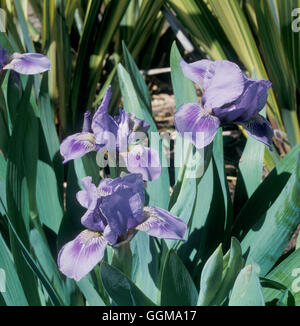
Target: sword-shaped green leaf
{"x":269,"y":190}
{"x":288,"y":274}
{"x":288,"y":14}
{"x":145,"y":264}
{"x":20,"y":187}
{"x":247,"y":290}
{"x":178,"y":288}
{"x":201,"y":23}
{"x":232,"y":264}
{"x":121,"y":289}
{"x":276,"y":62}
{"x":13,"y":293}
{"x":211,"y":277}
{"x":87,"y":288}
{"x":268,"y":237}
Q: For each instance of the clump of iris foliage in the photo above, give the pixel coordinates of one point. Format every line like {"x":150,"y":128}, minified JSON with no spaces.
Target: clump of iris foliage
{"x":73,"y":233}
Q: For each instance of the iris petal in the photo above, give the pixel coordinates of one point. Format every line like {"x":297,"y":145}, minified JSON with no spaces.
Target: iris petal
{"x":77,"y":145}
{"x":259,"y":128}
{"x":123,"y":209}
{"x":129,"y":129}
{"x":28,"y":63}
{"x":79,"y":256}
{"x":132,"y":181}
{"x":103,"y":125}
{"x":195,"y":71}
{"x":93,"y":219}
{"x":228,"y":114}
{"x":3,"y":57}
{"x":87,"y":122}
{"x":249,"y":104}
{"x":253,"y":99}
{"x":110,"y":235}
{"x":90,"y":198}
{"x":191,"y":119}
{"x":223,"y":84}
{"x":162,"y":224}
{"x":143,"y":160}
{"x":87,"y":197}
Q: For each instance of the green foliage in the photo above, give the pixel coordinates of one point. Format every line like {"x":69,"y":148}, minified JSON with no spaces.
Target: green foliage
{"x":39,"y":212}
{"x":177,"y":288}
{"x":14,"y":295}
{"x":121,"y":289}
{"x":247,"y":290}
{"x":287,"y":274}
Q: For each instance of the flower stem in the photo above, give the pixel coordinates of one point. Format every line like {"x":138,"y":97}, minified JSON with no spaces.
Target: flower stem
{"x":122,"y":259}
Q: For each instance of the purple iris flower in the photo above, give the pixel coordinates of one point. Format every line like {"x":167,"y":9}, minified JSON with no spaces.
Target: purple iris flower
{"x":122,"y":134}
{"x":26,"y":63}
{"x":81,"y":143}
{"x":228,"y":97}
{"x":115,"y":212}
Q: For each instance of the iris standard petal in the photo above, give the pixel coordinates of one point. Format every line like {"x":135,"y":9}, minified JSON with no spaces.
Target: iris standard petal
{"x":93,"y":219}
{"x":3,"y":57}
{"x":28,"y":63}
{"x":223,"y":83}
{"x":130,"y":120}
{"x":196,"y":124}
{"x":105,"y":187}
{"x":123,"y":122}
{"x":87,"y":122}
{"x":77,"y":145}
{"x":123,"y":209}
{"x":143,"y":160}
{"x":133,"y":182}
{"x":129,"y":129}
{"x":137,"y":124}
{"x":259,"y":128}
{"x":195,"y":71}
{"x":162,"y":224}
{"x":78,"y":257}
{"x":103,"y":125}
